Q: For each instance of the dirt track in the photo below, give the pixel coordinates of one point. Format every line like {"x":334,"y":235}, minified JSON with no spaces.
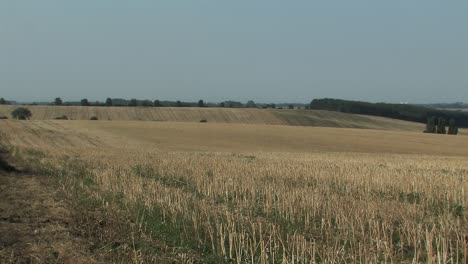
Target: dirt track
{"x":35,"y":227}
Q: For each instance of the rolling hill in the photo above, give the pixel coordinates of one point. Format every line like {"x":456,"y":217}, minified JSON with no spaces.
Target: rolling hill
{"x":318,"y":118}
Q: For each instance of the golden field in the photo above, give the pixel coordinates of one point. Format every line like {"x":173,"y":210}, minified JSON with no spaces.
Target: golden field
{"x":295,"y":117}
{"x":238,"y":193}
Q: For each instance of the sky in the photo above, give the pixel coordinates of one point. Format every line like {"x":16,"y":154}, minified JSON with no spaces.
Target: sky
{"x":264,"y":50}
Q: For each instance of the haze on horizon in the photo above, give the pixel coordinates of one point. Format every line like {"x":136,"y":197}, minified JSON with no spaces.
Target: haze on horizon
{"x":267,"y":51}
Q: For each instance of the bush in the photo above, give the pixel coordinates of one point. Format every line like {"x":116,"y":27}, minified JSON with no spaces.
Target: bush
{"x":93,"y":118}
{"x":203,"y":121}
{"x":3,"y":117}
{"x":64,"y":117}
{"x":21,"y":113}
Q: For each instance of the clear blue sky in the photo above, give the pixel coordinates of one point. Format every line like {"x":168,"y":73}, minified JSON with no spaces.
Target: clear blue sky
{"x":269,"y":51}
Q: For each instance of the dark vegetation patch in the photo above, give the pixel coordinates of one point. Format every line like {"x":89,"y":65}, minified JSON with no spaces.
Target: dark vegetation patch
{"x":4,"y":161}
{"x":405,"y":112}
{"x":64,"y":117}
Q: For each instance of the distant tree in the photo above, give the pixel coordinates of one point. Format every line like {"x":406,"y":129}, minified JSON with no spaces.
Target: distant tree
{"x":147,"y":103}
{"x":441,"y":126}
{"x":21,"y":113}
{"x":201,"y":103}
{"x":431,"y":125}
{"x":133,"y":102}
{"x":222,"y":104}
{"x":58,"y":101}
{"x":291,"y":106}
{"x":233,"y":104}
{"x":157,"y":103}
{"x":453,"y":129}
{"x":3,"y":101}
{"x":251,"y":104}
{"x":84,"y":102}
{"x":178,"y":104}
{"x":109,"y":102}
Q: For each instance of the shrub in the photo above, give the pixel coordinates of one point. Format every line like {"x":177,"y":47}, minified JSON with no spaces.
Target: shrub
{"x":21,"y":113}
{"x":3,"y":117}
{"x":64,"y":117}
{"x":203,"y":121}
{"x":93,"y":118}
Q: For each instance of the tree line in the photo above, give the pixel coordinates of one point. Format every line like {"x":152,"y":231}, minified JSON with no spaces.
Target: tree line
{"x":438,"y":125}
{"x":406,"y":112}
{"x":158,"y":103}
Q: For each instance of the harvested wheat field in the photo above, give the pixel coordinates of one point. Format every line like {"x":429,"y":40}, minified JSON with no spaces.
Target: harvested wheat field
{"x":219,"y":115}
{"x":170,"y":192}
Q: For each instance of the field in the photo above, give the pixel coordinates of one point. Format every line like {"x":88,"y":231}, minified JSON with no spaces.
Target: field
{"x":219,"y":115}
{"x":232,"y":192}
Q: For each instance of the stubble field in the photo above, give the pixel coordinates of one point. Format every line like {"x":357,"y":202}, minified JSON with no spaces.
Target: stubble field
{"x":236,"y":193}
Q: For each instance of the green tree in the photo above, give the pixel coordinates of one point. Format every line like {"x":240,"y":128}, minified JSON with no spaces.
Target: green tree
{"x":84,"y":102}
{"x":291,"y":106}
{"x":431,"y":125}
{"x":147,"y":103}
{"x":21,"y":113}
{"x":222,"y":104}
{"x":58,"y":101}
{"x":441,"y":126}
{"x":157,"y":103}
{"x":109,"y":102}
{"x":3,"y":101}
{"x":453,"y":129}
{"x":251,"y":104}
{"x":178,"y":104}
{"x":201,"y":103}
{"x":133,"y":102}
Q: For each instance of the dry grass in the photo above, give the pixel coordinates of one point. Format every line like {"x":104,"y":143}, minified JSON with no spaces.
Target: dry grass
{"x":220,"y":115}
{"x":271,"y":194}
{"x":173,"y":136}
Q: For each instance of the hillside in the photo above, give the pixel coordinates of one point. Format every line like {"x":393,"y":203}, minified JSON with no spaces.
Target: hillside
{"x":317,"y":118}
{"x":406,"y":112}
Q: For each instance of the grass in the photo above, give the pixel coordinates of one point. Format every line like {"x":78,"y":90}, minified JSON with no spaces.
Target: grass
{"x":241,"y":138}
{"x":201,"y":193}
